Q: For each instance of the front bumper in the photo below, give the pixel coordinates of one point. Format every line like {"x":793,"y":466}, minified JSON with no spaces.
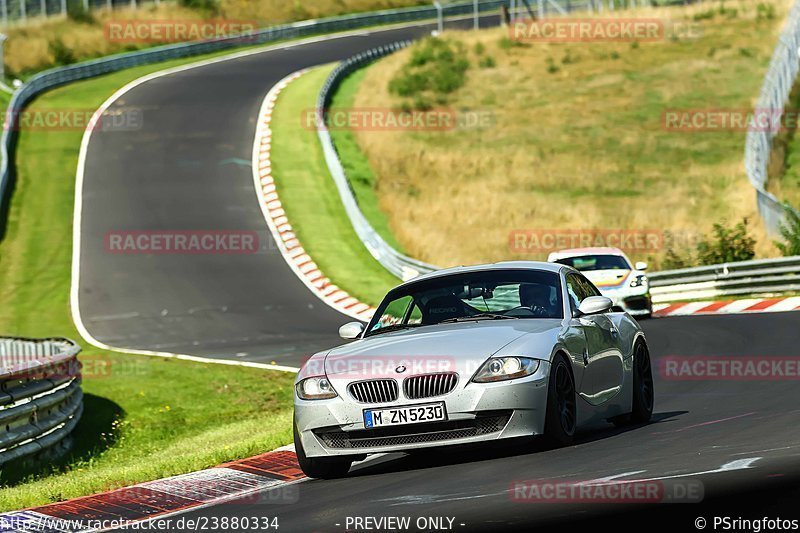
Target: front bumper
{"x":476,"y":412}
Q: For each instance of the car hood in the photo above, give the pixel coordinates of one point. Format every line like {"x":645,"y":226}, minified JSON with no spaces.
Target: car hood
{"x":607,"y":279}
{"x":460,"y":347}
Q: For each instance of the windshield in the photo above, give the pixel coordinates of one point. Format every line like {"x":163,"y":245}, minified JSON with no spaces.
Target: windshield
{"x":586,"y":263}
{"x":501,"y":294}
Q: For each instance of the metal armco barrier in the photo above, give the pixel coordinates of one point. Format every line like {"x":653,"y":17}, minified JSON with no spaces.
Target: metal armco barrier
{"x":52,"y":78}
{"x":40,"y":395}
{"x":400,"y":265}
{"x":760,"y":276}
{"x":783,"y":69}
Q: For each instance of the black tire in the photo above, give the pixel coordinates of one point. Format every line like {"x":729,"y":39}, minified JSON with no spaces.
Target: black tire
{"x":643,"y":392}
{"x":561,"y":417}
{"x":320,"y":467}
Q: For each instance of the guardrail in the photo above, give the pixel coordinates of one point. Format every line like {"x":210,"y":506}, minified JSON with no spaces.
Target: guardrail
{"x":56,"y":77}
{"x":778,"y":83}
{"x":40,"y":395}
{"x":402,"y":266}
{"x":760,"y":276}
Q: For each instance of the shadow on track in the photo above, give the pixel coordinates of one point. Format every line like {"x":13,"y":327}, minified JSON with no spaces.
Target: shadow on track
{"x":488,"y":451}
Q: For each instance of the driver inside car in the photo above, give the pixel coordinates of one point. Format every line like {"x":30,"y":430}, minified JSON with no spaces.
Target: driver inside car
{"x":536,"y":297}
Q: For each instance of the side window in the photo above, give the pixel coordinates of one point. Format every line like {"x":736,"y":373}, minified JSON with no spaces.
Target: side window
{"x":574,"y":291}
{"x":394,"y":313}
{"x":588,"y":288}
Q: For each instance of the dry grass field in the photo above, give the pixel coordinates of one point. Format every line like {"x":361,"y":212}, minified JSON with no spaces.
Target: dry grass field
{"x":577,"y":137}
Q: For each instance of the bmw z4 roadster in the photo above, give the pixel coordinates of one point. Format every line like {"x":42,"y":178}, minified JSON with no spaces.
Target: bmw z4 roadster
{"x":472,"y":354}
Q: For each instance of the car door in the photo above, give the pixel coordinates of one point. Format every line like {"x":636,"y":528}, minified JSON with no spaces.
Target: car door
{"x":602,"y":357}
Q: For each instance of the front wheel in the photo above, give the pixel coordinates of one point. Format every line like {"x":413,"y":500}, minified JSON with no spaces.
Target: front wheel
{"x":320,"y":467}
{"x":561,"y":417}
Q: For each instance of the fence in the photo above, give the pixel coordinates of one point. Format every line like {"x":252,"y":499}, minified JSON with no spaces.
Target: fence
{"x":40,"y":395}
{"x":762,"y":276}
{"x":775,"y":91}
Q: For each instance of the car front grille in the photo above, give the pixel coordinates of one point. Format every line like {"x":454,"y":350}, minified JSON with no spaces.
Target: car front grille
{"x":374,"y":391}
{"x":414,"y":434}
{"x":429,"y":385}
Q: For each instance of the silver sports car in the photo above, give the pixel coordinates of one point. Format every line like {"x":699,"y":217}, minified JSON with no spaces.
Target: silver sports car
{"x":472,"y":354}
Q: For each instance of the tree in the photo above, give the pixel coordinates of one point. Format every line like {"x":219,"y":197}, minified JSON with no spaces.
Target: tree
{"x":790,"y":232}
{"x":726,"y":245}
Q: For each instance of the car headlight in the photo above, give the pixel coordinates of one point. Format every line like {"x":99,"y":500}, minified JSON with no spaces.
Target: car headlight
{"x":639,"y":281}
{"x":318,"y":388}
{"x":502,"y":368}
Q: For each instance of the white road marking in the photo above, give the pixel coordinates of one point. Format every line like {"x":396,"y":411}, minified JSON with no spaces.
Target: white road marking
{"x":79,"y":179}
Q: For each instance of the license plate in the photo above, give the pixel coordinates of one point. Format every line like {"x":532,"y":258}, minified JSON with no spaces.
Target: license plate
{"x":397,"y":416}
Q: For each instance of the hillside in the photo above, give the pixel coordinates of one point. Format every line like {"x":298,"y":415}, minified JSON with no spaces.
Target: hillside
{"x":580,"y":136}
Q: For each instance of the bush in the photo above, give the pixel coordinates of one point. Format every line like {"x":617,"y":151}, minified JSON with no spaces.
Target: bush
{"x":77,"y":13}
{"x":790,"y":233}
{"x":207,"y":5}
{"x":765,"y":11}
{"x":436,"y":66}
{"x":62,"y":54}
{"x":726,"y":245}
{"x":487,"y":62}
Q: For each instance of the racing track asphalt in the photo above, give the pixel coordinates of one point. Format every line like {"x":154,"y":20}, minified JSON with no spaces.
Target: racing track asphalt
{"x":698,"y":426}
{"x":187,"y":168}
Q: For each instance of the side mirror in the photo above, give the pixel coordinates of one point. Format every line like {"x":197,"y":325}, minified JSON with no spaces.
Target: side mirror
{"x":640,"y":265}
{"x":594,"y":305}
{"x":351,"y":330}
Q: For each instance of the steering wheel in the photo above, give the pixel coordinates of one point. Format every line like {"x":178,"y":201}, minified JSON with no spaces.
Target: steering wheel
{"x":533,"y":310}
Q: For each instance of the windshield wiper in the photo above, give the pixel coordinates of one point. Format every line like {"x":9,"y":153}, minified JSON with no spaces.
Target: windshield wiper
{"x":479,"y":316}
{"x":391,"y":327}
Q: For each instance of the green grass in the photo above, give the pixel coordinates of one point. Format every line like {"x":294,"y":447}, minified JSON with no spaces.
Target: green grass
{"x":149,"y":417}
{"x":311,"y":201}
{"x":356,"y":165}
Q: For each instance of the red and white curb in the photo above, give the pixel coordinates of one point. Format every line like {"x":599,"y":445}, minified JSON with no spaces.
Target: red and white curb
{"x":247,"y":481}
{"x":288,"y":244}
{"x":723,"y":307}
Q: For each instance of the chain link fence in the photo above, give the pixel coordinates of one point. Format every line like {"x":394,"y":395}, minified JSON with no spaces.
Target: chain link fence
{"x":780,"y":79}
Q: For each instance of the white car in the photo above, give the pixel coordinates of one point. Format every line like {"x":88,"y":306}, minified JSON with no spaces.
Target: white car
{"x":612,"y":272}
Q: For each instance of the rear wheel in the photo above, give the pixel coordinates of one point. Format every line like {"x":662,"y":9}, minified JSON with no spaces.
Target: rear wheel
{"x":561,"y":418}
{"x":643,"y":392}
{"x":320,"y":467}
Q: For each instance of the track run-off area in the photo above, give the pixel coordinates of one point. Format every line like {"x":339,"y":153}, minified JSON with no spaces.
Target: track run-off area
{"x":188,"y":169}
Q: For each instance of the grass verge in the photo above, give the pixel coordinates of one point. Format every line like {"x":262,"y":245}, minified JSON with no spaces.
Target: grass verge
{"x":310,"y":198}
{"x":576,"y":139}
{"x":145,"y":417}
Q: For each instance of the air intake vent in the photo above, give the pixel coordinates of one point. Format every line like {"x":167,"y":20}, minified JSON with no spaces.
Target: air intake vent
{"x":374,"y":391}
{"x":429,"y":385}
